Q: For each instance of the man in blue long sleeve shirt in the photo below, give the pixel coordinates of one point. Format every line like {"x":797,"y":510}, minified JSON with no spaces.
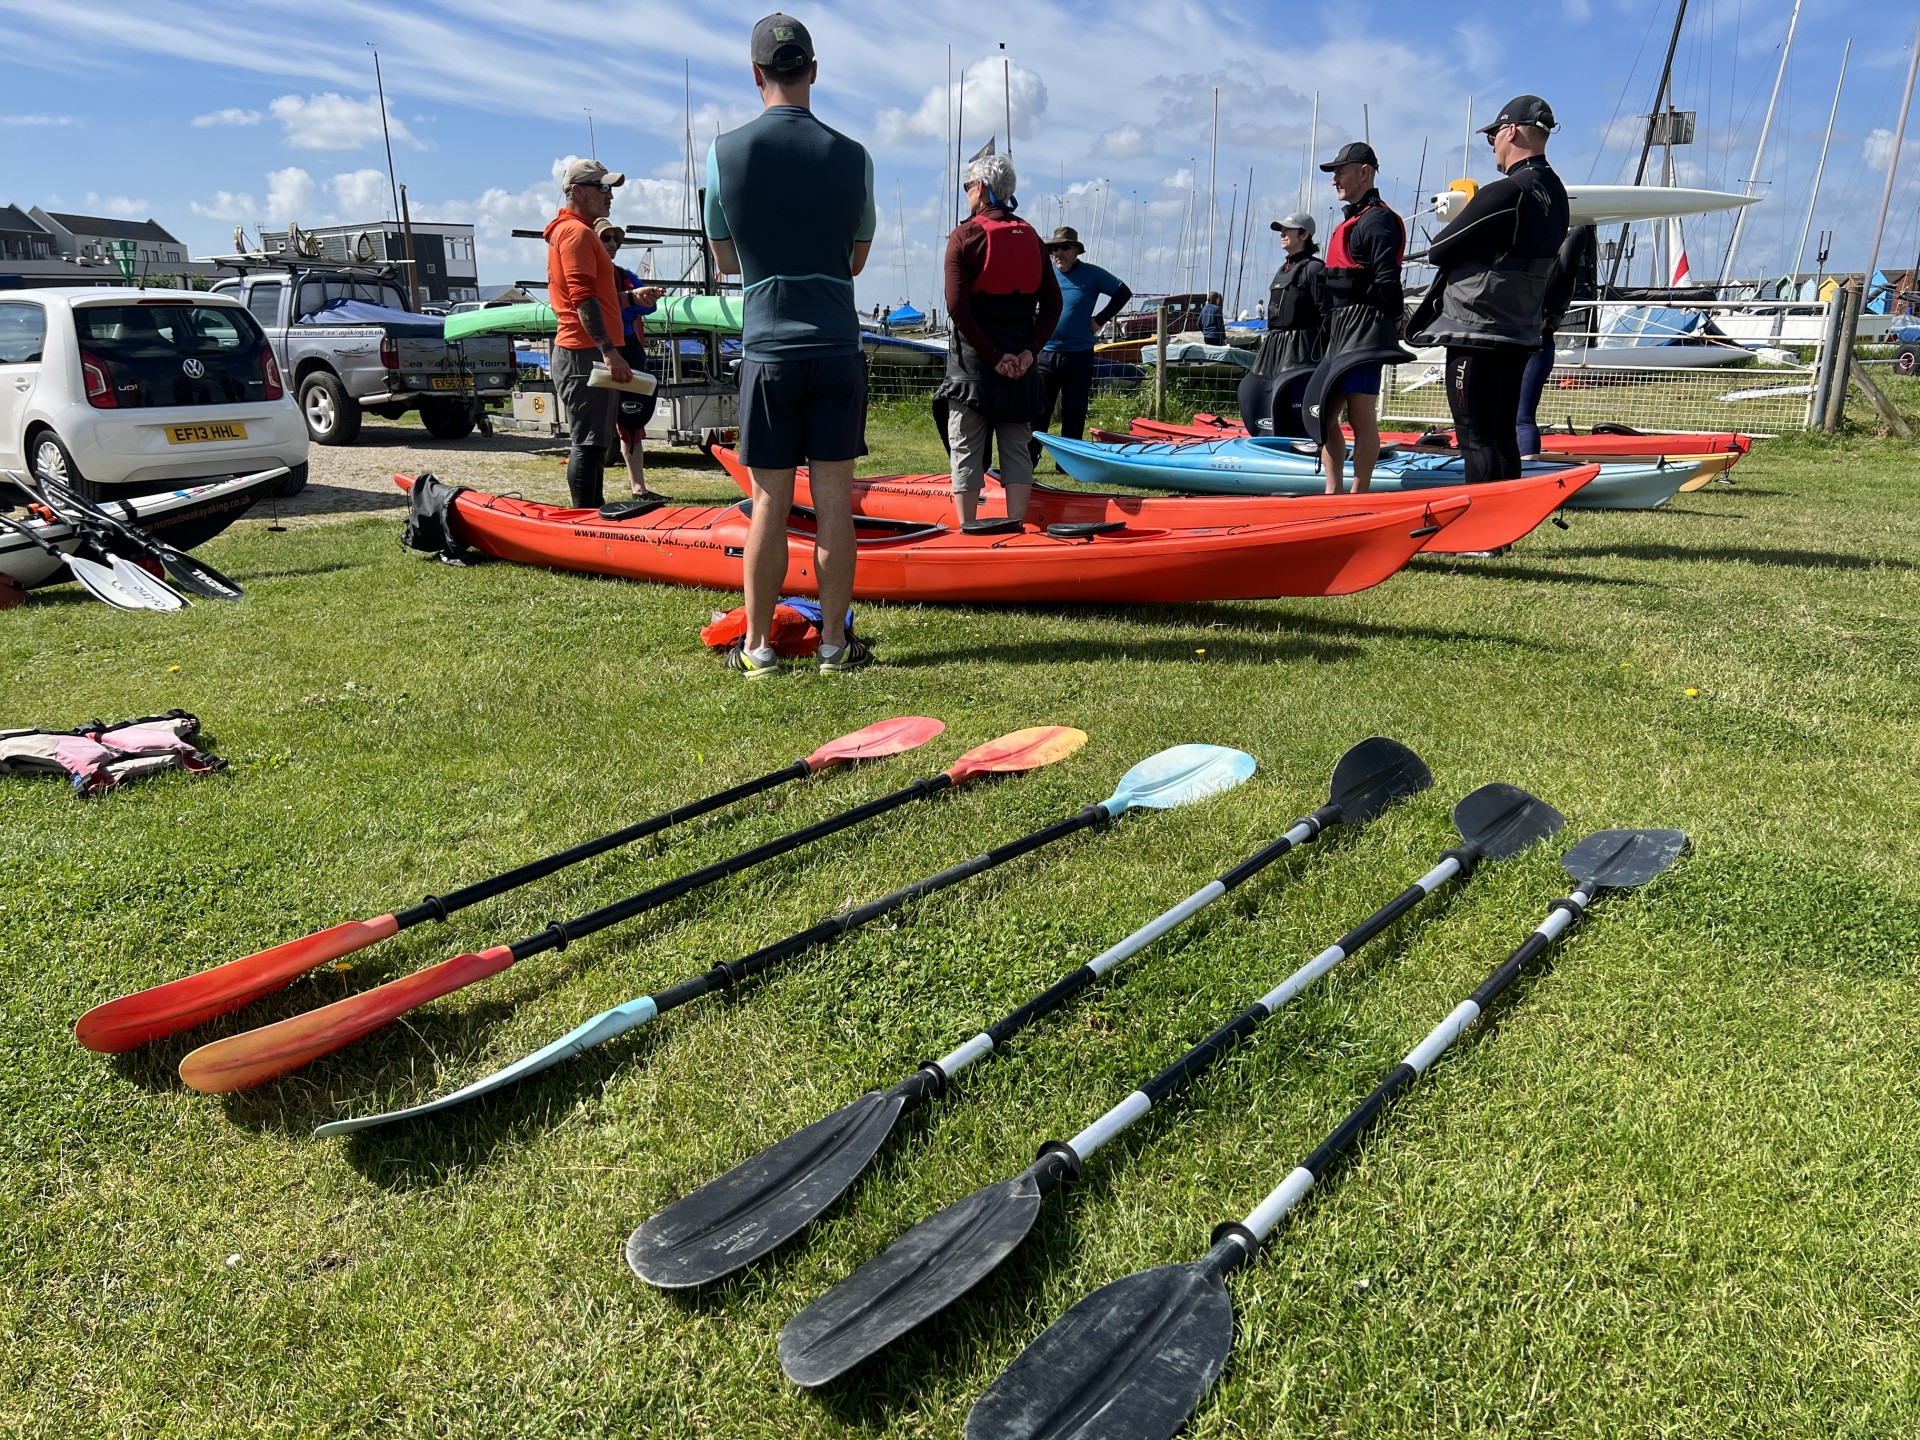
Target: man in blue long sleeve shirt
{"x":1066,"y":364}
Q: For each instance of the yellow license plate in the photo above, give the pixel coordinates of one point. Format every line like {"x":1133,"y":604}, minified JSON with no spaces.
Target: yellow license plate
{"x":205,"y":434}
{"x":448,"y":382}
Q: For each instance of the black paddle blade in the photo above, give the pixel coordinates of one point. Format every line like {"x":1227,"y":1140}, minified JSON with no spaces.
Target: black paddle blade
{"x":765,"y":1201}
{"x":1374,"y":776}
{"x":192,"y":573}
{"x":1622,"y":859}
{"x":1499,"y":821}
{"x":1130,"y":1362}
{"x":916,"y":1277}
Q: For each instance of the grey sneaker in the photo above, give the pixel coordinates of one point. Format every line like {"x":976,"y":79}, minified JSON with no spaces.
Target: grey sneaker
{"x":850,"y":656}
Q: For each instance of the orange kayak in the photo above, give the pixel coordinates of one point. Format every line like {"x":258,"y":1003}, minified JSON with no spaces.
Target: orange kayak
{"x":1608,"y":445}
{"x":1104,"y":562}
{"x":1503,"y":512}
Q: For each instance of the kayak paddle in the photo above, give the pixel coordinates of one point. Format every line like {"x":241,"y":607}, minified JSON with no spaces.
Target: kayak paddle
{"x":1173,"y":777}
{"x":131,"y":1020}
{"x":1134,"y":1359}
{"x":764,"y":1201}
{"x":260,"y":1055}
{"x":117,"y":536}
{"x":951,"y":1251}
{"x":120,"y":584}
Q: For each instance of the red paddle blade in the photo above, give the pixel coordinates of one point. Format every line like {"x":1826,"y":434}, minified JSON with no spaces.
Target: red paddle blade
{"x":193,"y":1000}
{"x":883,"y":737}
{"x":242,"y":1061}
{"x":1022,"y":750}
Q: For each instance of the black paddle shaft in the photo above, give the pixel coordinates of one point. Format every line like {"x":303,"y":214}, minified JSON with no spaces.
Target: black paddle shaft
{"x":729,"y":973}
{"x":563,"y":933}
{"x":439,"y":907}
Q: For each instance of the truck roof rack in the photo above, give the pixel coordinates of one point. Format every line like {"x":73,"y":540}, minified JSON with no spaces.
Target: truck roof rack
{"x":285,"y":260}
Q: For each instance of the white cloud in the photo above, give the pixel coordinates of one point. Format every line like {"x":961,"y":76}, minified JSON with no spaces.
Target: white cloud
{"x":1128,"y":142}
{"x":497,"y":212}
{"x":363,"y":194}
{"x":38,"y":121}
{"x":1578,"y":11}
{"x":122,"y":206}
{"x":290,"y":196}
{"x":226,"y":205}
{"x":332,"y":121}
{"x":1479,"y":49}
{"x":232,"y":115}
{"x":1877,"y":151}
{"x":989,"y":91}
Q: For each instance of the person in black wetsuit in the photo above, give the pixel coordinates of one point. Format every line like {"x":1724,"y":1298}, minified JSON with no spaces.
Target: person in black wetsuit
{"x":1295,"y":313}
{"x":1487,"y":305}
{"x":1366,"y":309}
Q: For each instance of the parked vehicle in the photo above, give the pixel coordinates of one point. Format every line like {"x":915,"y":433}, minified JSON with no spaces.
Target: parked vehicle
{"x":348,"y":344}
{"x":1183,"y":313}
{"x":120,"y":392}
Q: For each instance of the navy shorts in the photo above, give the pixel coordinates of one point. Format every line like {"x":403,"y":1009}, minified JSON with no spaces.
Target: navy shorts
{"x":796,"y":411}
{"x":1361,"y":380}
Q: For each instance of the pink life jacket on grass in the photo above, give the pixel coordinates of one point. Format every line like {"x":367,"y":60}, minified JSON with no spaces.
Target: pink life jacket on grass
{"x":97,"y":756}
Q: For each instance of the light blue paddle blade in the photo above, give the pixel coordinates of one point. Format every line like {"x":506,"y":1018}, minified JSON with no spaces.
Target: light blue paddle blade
{"x":1179,"y":776}
{"x":597,"y":1031}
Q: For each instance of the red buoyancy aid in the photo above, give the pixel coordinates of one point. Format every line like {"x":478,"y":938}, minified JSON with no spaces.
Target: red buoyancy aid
{"x":1340,"y":246}
{"x":1015,"y":259}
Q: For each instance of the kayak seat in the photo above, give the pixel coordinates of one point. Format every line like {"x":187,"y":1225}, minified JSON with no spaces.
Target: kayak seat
{"x":629,"y":509}
{"x":1085,"y":530}
{"x":1001,"y":526}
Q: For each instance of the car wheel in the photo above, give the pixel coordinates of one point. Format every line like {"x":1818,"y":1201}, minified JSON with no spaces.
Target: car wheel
{"x":295,"y":481}
{"x":1907,"y":361}
{"x":446,"y":421}
{"x":332,"y":415}
{"x":48,"y":457}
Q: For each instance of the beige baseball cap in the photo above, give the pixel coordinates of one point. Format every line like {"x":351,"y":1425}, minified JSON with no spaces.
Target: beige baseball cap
{"x":591,"y":172}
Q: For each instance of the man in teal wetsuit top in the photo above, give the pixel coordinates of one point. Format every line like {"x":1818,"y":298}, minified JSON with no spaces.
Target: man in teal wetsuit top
{"x":1066,"y":364}
{"x":789,"y":209}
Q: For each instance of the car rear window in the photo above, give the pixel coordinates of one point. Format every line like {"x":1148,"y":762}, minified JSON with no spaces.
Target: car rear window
{"x":316,"y":295}
{"x":167,"y":354}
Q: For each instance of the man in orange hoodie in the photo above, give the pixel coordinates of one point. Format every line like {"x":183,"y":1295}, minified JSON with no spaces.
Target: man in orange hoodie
{"x":586,"y":302}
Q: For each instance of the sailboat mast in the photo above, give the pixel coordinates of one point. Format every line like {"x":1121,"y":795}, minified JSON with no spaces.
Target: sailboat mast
{"x":1213,"y":194}
{"x":1740,"y":221}
{"x":1646,"y":143}
{"x":1893,"y":167}
{"x":1820,"y":171}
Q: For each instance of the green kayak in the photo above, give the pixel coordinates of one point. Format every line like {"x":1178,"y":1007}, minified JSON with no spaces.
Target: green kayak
{"x":677,"y":315}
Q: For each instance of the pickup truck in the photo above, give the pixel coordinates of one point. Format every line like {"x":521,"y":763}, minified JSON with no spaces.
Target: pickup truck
{"x":347,"y":345}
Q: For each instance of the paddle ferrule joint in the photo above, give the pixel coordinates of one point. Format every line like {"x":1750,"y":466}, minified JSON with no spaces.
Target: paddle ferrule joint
{"x":431,"y":907}
{"x":928,"y":1082}
{"x":557,"y":935}
{"x":1057,"y":1164}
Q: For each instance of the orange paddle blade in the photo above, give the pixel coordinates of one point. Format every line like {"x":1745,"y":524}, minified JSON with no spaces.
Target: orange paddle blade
{"x":1022,"y":750}
{"x":242,"y":1061}
{"x":193,"y":1000}
{"x":883,"y":737}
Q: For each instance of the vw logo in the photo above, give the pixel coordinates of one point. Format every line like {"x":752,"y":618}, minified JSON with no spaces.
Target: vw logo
{"x":192,"y":369}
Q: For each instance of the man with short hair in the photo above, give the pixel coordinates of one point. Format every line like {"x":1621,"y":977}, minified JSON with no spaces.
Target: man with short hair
{"x":1365,"y":310}
{"x":1213,"y":320}
{"x":1495,"y":261}
{"x":1004,"y":301}
{"x":583,"y":292}
{"x":1066,"y":362}
{"x":790,"y":210}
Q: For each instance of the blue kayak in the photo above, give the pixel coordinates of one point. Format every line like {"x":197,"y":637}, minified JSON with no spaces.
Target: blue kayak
{"x":1265,"y":465}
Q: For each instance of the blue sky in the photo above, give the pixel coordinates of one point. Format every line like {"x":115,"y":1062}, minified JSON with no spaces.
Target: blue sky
{"x":209,"y":113}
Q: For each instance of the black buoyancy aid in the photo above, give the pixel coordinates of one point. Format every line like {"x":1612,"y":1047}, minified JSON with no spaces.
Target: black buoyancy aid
{"x":1005,"y":297}
{"x":1292,"y":303}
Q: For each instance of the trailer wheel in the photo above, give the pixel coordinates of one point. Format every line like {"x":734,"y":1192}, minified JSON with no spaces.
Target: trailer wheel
{"x":1908,"y":360}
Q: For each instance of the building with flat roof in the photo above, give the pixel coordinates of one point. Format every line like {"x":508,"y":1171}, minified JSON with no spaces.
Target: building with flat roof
{"x":445,"y":265}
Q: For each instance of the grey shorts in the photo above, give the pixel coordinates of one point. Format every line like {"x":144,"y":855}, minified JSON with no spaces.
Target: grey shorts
{"x":970,"y":435}
{"x":589,"y":411}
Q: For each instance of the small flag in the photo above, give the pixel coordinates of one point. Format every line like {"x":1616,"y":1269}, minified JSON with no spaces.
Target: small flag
{"x":984,"y":151}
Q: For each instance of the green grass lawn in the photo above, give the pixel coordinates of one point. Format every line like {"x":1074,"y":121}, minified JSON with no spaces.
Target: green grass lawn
{"x":1671,"y":1191}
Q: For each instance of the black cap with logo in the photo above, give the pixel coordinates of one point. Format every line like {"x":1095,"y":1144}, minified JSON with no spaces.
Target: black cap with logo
{"x":1523,"y":110}
{"x":1355,"y":152}
{"x":781,"y":44}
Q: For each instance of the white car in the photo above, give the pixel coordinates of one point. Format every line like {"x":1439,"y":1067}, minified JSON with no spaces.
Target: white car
{"x":124,"y":392}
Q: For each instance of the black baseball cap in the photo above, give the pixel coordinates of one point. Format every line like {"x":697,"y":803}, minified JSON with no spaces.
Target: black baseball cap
{"x":1354,"y":152}
{"x":782,"y":44}
{"x":1523,"y":110}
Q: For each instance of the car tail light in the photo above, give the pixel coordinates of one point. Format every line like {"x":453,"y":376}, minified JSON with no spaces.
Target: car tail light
{"x":389,"y":353}
{"x":270,"y":373}
{"x":99,"y":382}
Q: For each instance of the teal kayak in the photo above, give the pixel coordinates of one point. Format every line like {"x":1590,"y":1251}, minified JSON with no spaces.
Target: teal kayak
{"x":677,"y":315}
{"x":1264,"y":465}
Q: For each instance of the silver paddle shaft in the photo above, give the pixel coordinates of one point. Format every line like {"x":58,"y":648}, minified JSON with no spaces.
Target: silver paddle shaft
{"x":1292,"y":1190}
{"x":981,"y":1045}
{"x":1141,"y":1101}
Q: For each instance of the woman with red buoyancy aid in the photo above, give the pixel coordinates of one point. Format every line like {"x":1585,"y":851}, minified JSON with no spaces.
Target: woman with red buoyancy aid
{"x":1004,"y":301}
